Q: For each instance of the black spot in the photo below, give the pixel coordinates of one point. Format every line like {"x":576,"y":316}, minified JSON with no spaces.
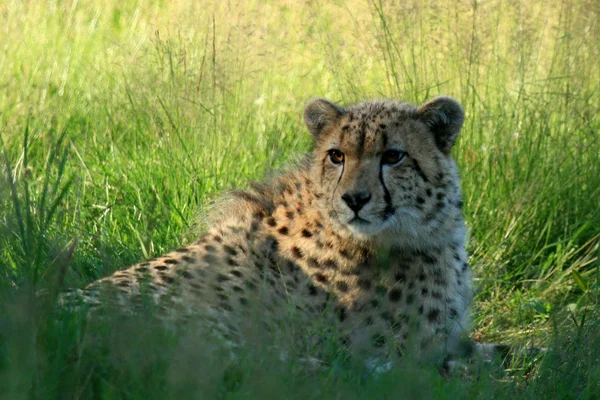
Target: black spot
{"x":330,"y":264}
{"x":291,"y":266}
{"x":283,"y":230}
{"x":209,"y":258}
{"x":433,"y":314}
{"x":141,"y":269}
{"x":364,"y":283}
{"x":232,"y":262}
{"x":272,"y":243}
{"x":168,"y":279}
{"x":459,"y":204}
{"x":312,"y":290}
{"x":186,"y":274}
{"x":395,"y":295}
{"x":410,"y":298}
{"x":188,"y":259}
{"x":387,"y":316}
{"x":320,"y":277}
{"x":368,"y":320}
{"x":374,"y":303}
{"x":421,"y":309}
{"x":271,"y":221}
{"x":436,"y":295}
{"x":341,"y":286}
{"x":289,"y":214}
{"x":171,"y":261}
{"x":236,"y":272}
{"x":341,"y":313}
{"x":378,"y":340}
{"x":123,"y":284}
{"x":400,"y":277}
{"x":422,"y":276}
{"x":222,"y":277}
{"x":312,"y":262}
{"x":404,"y":265}
{"x":465,"y":267}
{"x":428,"y":192}
{"x":209,"y":248}
{"x":428,"y":259}
{"x":440,"y":205}
{"x":296,"y":252}
{"x":230,"y":250}
{"x":306,"y":233}
{"x":161,"y":267}
{"x":144,"y":264}
{"x":182,"y":250}
{"x":237,"y":289}
{"x":345,"y":254}
{"x":453,"y":313}
{"x":441,"y":281}
{"x":424,"y":292}
{"x":251,"y":285}
{"x":380,"y":290}
{"x":243,"y":301}
{"x":420,"y":200}
{"x":345,"y":341}
{"x":217,"y":238}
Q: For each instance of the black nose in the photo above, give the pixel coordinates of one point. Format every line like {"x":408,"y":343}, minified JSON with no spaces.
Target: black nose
{"x":356,"y":200}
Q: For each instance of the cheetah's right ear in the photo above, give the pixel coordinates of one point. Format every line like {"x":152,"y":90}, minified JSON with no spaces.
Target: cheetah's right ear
{"x":320,"y":114}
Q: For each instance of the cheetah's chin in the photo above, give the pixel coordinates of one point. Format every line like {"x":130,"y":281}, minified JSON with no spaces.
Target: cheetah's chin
{"x":363,"y":228}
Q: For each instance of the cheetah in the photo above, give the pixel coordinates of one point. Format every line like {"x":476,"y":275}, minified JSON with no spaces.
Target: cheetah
{"x":365,"y":233}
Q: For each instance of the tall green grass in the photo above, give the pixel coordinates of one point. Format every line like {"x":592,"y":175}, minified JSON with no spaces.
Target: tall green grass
{"x":121,"y":121}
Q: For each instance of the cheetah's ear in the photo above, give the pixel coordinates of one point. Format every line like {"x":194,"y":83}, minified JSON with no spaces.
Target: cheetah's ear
{"x":444,"y":116}
{"x":320,"y":114}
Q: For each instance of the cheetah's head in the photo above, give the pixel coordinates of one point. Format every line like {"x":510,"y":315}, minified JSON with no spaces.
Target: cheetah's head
{"x":385,"y":166}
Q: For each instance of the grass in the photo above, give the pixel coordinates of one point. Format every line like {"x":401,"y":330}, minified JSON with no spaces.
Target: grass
{"x":121,"y":120}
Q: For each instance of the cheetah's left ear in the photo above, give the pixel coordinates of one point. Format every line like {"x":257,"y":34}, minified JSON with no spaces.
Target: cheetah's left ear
{"x":444,"y":116}
{"x":320,"y":114}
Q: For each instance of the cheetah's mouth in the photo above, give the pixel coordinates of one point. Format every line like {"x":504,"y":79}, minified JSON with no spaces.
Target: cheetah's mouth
{"x":358,"y":220}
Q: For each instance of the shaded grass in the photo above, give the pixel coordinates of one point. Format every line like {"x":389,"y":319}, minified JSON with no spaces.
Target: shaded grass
{"x":121,"y":121}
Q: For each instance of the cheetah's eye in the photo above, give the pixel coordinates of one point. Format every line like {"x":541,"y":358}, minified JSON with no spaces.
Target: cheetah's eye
{"x":391,"y":157}
{"x":336,"y":156}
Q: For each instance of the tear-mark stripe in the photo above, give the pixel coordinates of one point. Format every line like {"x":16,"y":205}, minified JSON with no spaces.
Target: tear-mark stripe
{"x":389,"y":209}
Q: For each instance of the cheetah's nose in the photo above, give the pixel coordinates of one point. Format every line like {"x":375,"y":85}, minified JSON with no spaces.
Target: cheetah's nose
{"x":356,"y":200}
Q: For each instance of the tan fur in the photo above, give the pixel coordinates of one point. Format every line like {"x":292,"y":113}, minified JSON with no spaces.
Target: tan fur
{"x":291,"y":241}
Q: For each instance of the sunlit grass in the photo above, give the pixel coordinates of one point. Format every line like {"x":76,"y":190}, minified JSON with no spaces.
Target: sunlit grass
{"x":121,"y":120}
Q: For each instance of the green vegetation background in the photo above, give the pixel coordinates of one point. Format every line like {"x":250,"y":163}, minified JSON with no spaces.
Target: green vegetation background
{"x":121,"y":120}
